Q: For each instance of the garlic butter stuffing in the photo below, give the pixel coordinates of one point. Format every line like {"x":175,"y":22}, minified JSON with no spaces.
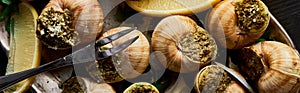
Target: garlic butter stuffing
{"x":213,"y":78}
{"x":141,"y":87}
{"x":58,"y":26}
{"x":250,"y":15}
{"x":63,"y":24}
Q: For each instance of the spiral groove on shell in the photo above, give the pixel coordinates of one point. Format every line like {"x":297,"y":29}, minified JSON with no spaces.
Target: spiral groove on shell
{"x":185,"y":45}
{"x":279,"y":72}
{"x":222,"y":23}
{"x":86,"y":23}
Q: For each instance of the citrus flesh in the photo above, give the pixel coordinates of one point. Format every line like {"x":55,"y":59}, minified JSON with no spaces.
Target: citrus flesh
{"x":171,"y":7}
{"x":24,"y":46}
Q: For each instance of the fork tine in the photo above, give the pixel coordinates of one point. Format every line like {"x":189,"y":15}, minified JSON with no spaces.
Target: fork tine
{"x":106,"y":53}
{"x":113,"y":37}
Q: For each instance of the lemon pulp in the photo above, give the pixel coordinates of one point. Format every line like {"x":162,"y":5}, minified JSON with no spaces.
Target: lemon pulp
{"x":24,"y":46}
{"x":171,"y":7}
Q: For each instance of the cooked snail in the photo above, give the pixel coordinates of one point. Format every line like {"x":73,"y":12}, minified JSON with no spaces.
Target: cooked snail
{"x":185,"y":46}
{"x":66,"y":23}
{"x":238,"y":22}
{"x":83,"y":85}
{"x":273,"y":66}
{"x":129,"y":63}
{"x":215,"y":79}
{"x":141,"y":87}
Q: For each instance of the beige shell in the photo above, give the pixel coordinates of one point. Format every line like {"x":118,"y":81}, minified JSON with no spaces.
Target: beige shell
{"x":139,"y":84}
{"x":222,"y":24}
{"x":132,"y":61}
{"x":273,"y":65}
{"x":86,"y":85}
{"x":88,"y":18}
{"x":178,"y":50}
{"x":215,"y":83}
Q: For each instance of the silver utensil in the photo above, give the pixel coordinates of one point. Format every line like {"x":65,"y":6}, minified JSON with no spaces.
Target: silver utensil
{"x":72,"y":59}
{"x":239,"y":78}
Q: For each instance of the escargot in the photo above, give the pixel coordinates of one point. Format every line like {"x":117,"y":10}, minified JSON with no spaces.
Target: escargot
{"x":213,"y":78}
{"x":272,"y":66}
{"x":78,"y":84}
{"x":184,"y":45}
{"x":66,"y":23}
{"x":238,"y":22}
{"x":129,"y":63}
{"x":141,"y":87}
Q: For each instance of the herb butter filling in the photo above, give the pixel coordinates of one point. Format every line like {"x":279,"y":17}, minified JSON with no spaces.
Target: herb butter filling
{"x":73,"y":85}
{"x":251,"y":60}
{"x":251,"y":15}
{"x":55,"y":29}
{"x":142,"y":88}
{"x":106,"y":71}
{"x":198,"y":46}
{"x":214,"y":79}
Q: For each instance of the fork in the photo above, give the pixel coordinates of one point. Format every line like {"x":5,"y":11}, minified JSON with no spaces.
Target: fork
{"x":72,"y":59}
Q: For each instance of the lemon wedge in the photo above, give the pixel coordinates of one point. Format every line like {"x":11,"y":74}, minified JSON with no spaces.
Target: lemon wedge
{"x":25,"y":48}
{"x":171,"y":7}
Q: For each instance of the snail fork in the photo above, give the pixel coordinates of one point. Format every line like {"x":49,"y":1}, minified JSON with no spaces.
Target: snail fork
{"x":80,"y":56}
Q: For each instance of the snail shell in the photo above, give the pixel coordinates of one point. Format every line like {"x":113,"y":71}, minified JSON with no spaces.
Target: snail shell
{"x":84,"y":85}
{"x":222,"y":23}
{"x":215,"y":79}
{"x":273,"y":66}
{"x":83,"y":20}
{"x":141,"y":87}
{"x":184,"y":46}
{"x":129,"y":63}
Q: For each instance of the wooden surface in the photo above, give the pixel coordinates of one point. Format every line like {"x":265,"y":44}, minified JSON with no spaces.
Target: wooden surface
{"x":287,"y":12}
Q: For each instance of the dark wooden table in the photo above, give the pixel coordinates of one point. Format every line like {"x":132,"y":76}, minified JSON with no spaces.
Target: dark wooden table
{"x":287,"y":12}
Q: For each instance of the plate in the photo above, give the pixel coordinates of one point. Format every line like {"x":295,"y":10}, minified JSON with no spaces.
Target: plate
{"x":119,"y":14}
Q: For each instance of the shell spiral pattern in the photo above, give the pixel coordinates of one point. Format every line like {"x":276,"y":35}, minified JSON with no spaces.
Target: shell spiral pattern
{"x":184,"y":45}
{"x":278,"y":70}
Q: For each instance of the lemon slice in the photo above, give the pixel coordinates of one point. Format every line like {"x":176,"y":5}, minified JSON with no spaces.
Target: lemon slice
{"x":24,"y":46}
{"x":171,"y":7}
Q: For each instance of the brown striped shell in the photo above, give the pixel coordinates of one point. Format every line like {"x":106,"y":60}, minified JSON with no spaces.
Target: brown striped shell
{"x":215,"y":79}
{"x":87,"y":20}
{"x":182,"y":45}
{"x":274,"y":66}
{"x":222,"y":24}
{"x":132,"y":61}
